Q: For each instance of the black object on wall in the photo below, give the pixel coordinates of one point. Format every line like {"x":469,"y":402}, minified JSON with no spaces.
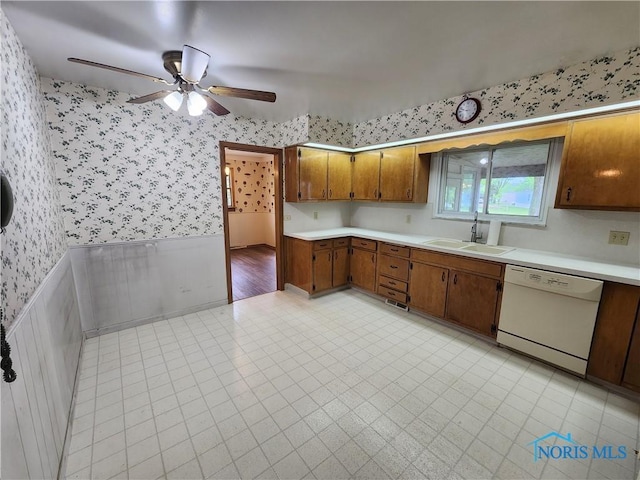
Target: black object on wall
{"x":6,"y":364}
{"x":6,"y":202}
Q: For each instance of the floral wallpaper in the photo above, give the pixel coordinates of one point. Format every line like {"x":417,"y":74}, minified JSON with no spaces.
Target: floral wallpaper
{"x":605,"y":80}
{"x":295,"y":131}
{"x":132,"y":172}
{"x":330,"y":132}
{"x":253,"y":186}
{"x":34,"y":241}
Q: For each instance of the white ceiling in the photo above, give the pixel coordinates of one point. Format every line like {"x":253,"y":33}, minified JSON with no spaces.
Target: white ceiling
{"x":349,"y":61}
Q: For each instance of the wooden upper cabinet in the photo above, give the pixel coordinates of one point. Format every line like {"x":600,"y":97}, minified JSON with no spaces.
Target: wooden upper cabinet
{"x":313,"y":174}
{"x":305,"y":174}
{"x":365,"y":176}
{"x":601,"y":164}
{"x":339,"y":176}
{"x":397,"y":166}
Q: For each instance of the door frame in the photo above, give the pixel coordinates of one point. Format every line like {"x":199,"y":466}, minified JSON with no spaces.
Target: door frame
{"x":277,"y":180}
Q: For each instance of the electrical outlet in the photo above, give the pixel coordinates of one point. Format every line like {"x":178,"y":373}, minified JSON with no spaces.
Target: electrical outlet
{"x":287,"y":218}
{"x":618,"y":238}
{"x":315,"y":215}
{"x":408,"y":219}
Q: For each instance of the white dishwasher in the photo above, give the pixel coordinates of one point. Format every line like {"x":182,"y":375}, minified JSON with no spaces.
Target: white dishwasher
{"x":550,"y":316}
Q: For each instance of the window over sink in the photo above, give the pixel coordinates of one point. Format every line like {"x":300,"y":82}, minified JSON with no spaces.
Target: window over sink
{"x":503,"y":182}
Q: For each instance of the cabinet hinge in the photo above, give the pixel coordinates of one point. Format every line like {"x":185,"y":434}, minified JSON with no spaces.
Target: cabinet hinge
{"x":313,"y":287}
{"x":411,"y":266}
{"x":408,"y":298}
{"x":352,"y":158}
{"x":499,"y":287}
{"x":380,"y":194}
{"x":493,"y":328}
{"x":299,"y":153}
{"x":313,"y":258}
{"x":299,"y":194}
{"x":381,"y":155}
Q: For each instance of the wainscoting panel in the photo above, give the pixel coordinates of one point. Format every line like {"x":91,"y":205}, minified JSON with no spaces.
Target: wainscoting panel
{"x":45,"y":341}
{"x":130,"y":283}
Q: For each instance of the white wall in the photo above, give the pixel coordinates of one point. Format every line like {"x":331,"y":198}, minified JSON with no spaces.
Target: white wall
{"x":252,"y":228}
{"x":45,"y":344}
{"x":330,"y":215}
{"x":129,"y":283}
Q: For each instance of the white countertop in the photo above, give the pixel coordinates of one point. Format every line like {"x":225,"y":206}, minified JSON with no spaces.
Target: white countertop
{"x":556,"y":262}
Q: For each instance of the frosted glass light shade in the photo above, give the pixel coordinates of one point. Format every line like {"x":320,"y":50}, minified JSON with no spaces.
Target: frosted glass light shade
{"x":174,"y":100}
{"x":196,"y":104}
{"x":194,"y":64}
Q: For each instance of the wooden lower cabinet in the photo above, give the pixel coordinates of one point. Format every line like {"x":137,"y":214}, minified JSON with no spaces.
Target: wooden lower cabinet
{"x":428,"y":288}
{"x":363,"y":268}
{"x":472,"y":301}
{"x":340,"y":266}
{"x":631,"y":378}
{"x":322,"y":270}
{"x":317,"y":266}
{"x":458,"y":289}
{"x":615,"y":332}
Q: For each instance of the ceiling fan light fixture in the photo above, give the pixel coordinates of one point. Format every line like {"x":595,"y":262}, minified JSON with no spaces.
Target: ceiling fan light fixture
{"x":196,"y":104}
{"x":194,"y":64}
{"x":174,"y":100}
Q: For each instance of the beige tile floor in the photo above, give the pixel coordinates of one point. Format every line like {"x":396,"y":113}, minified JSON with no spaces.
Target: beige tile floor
{"x":342,"y":386}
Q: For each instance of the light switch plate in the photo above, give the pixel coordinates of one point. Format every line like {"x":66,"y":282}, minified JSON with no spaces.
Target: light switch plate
{"x":618,"y":238}
{"x":315,"y":215}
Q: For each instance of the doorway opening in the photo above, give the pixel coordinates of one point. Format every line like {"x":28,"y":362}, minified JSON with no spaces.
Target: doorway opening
{"x":252,"y":211}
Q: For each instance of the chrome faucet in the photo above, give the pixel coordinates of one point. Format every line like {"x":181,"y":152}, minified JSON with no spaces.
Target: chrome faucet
{"x":474,"y":229}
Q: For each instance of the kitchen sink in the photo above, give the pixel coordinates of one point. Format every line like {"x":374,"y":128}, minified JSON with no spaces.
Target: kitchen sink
{"x":487,"y":249}
{"x":446,"y":243}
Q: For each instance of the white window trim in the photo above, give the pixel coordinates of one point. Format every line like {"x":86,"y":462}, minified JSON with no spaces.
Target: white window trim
{"x":555,"y":153}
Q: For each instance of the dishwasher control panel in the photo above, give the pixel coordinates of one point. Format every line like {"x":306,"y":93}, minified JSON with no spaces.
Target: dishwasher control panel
{"x":585,"y":288}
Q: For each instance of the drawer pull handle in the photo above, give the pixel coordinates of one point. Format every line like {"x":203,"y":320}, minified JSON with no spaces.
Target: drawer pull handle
{"x":323,"y":193}
{"x":393,"y":266}
{"x":569,"y":190}
{"x":408,"y":193}
{"x":373,"y":258}
{"x":455,"y":279}
{"x":391,"y":282}
{"x":330,"y":193}
{"x":394,"y":249}
{"x":391,"y":294}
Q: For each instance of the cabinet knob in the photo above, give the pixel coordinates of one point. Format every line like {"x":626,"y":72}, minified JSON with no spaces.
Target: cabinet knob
{"x":455,"y":279}
{"x":323,"y":193}
{"x":408,"y":193}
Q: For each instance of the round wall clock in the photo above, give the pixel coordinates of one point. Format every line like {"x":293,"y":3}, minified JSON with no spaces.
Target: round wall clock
{"x":468,"y":110}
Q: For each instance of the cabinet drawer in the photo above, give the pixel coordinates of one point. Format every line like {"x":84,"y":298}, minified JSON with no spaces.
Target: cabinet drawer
{"x":387,"y":292}
{"x":395,"y":250}
{"x":364,"y":244}
{"x":394,"y":267}
{"x":482,"y":267}
{"x":393,"y":283}
{"x":322,"y":244}
{"x":340,"y":242}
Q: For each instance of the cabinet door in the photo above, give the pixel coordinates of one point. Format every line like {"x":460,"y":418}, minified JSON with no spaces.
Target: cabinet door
{"x":631,"y":377}
{"x":322,"y":270}
{"x":339,"y":176}
{"x":363,"y":269}
{"x":365,"y":176}
{"x":340,"y":266}
{"x":428,"y":288}
{"x":396,"y":174}
{"x":601,"y":164}
{"x":291,"y":174}
{"x":472,"y":301}
{"x":313,"y":174}
{"x":298,"y":263}
{"x":612,"y":334}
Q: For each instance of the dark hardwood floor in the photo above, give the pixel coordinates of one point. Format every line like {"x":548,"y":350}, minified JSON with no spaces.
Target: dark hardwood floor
{"x":253,"y":271}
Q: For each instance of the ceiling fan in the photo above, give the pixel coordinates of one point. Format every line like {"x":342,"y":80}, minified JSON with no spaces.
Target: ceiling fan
{"x":187,"y":67}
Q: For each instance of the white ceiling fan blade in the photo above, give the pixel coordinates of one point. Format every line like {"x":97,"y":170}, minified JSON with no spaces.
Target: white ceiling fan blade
{"x":194,"y":64}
